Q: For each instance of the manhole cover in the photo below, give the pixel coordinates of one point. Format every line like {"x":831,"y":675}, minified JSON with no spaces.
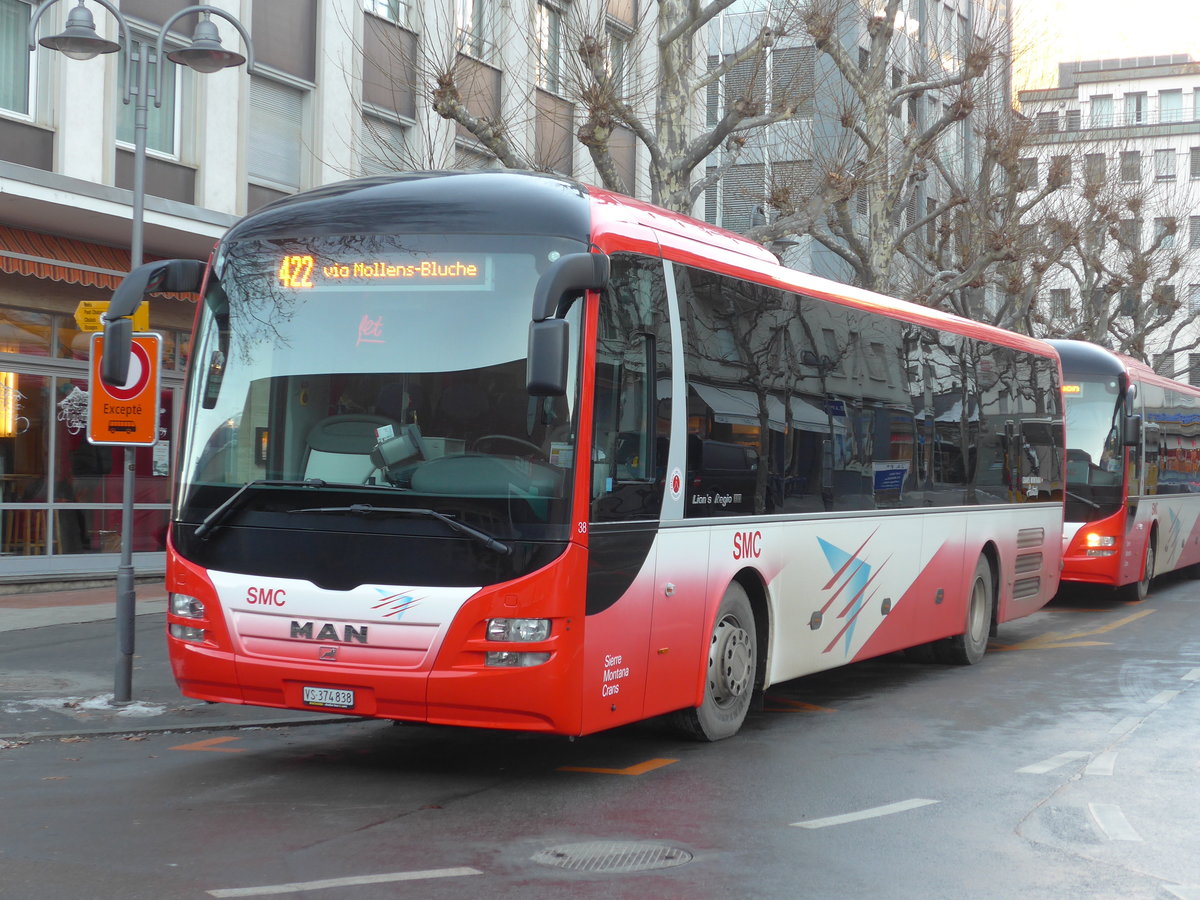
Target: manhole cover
{"x":613,"y":856}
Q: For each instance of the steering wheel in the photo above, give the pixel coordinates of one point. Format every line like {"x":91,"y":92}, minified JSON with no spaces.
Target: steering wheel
{"x":525,"y":446}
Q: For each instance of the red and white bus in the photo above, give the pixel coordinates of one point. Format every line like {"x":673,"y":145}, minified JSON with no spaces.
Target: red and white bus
{"x":498,"y":449}
{"x":1133,"y":471}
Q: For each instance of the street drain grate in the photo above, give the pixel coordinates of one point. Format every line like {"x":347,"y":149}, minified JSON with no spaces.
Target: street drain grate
{"x":613,"y":856}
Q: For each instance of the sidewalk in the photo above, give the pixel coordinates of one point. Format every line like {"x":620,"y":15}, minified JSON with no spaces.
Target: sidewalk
{"x":58,"y":662}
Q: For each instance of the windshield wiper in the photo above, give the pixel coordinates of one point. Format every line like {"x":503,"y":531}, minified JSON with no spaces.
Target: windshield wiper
{"x":238,"y":499}
{"x":1093,"y":504}
{"x":366,"y":509}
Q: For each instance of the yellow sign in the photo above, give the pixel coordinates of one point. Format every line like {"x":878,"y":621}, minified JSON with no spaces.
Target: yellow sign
{"x":88,"y":312}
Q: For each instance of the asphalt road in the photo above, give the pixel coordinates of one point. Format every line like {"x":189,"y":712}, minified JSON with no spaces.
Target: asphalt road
{"x":1067,"y":764}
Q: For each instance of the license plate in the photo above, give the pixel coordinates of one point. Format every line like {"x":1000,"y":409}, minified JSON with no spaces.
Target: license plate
{"x":328,"y":697}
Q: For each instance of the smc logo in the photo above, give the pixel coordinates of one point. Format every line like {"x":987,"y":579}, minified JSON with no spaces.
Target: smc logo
{"x":746,"y":545}
{"x":266,"y":596}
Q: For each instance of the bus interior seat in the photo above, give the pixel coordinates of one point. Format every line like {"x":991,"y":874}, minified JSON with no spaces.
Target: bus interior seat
{"x":339,"y":447}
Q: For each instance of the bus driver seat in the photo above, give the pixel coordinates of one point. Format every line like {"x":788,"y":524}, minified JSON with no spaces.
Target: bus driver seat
{"x":339,"y":447}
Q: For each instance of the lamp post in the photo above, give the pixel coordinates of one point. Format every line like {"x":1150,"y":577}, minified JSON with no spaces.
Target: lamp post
{"x":204,"y":54}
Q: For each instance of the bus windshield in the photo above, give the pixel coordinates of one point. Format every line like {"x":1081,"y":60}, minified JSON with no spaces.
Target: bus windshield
{"x":1094,"y":449}
{"x":387,"y":369}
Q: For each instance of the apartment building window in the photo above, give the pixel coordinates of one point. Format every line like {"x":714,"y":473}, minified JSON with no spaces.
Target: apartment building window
{"x":1130,"y":233}
{"x":1131,"y":166}
{"x":382,"y":148}
{"x":1164,"y":165}
{"x":1074,"y":120}
{"x":1194,"y":369}
{"x":549,"y":36}
{"x":475,"y":21}
{"x":161,"y":121}
{"x":392,"y":10}
{"x":1131,"y":296}
{"x":618,"y":61}
{"x":1060,"y":302}
{"x":1194,"y":232}
{"x":1164,"y":299}
{"x":16,"y":71}
{"x":1164,"y":232}
{"x":1102,"y":110}
{"x":1194,"y":299}
{"x":275,"y":135}
{"x":1164,"y":364}
{"x":1061,"y":167}
{"x":1047,"y":122}
{"x":1027,"y":173}
{"x":1194,"y":166}
{"x":1170,"y":106}
{"x":1135,"y":108}
{"x":1093,"y":169}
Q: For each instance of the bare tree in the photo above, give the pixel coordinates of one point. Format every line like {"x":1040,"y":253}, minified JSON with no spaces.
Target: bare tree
{"x":1112,"y":239}
{"x":909,"y":91}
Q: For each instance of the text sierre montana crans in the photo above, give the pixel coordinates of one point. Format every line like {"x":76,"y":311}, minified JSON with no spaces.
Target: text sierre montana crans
{"x":614,"y":671}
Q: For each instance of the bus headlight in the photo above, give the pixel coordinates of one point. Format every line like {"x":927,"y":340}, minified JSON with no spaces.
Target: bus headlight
{"x":522,"y":630}
{"x":187,"y":607}
{"x":513,"y":659}
{"x":1100,"y":544}
{"x":188,"y":633}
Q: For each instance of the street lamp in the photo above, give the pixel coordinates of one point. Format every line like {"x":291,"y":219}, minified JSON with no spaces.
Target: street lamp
{"x":204,"y":54}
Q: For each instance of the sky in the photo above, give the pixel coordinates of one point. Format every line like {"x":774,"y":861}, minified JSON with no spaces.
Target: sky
{"x":1053,"y":31}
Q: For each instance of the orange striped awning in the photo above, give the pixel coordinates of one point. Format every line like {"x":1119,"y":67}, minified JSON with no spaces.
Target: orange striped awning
{"x":65,"y":259}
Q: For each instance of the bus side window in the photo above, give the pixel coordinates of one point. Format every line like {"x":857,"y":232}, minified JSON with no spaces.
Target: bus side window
{"x":627,"y":455}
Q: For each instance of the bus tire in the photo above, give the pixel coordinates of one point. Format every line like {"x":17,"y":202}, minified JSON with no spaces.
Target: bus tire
{"x":1139,"y":590}
{"x":968,"y":648}
{"x":729,"y":681}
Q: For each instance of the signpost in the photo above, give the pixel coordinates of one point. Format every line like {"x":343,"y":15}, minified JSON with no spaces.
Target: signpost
{"x":126,"y":416}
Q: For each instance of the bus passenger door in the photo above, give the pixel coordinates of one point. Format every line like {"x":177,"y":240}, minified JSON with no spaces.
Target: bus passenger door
{"x":630,"y":437}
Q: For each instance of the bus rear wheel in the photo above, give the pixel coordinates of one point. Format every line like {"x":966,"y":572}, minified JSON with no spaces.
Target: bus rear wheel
{"x":968,"y":648}
{"x":732,"y":664}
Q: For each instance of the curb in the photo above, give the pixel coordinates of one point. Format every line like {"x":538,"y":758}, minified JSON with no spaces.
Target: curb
{"x":180,"y":728}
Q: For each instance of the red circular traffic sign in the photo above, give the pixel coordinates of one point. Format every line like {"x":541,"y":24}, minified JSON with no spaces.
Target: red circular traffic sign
{"x":140,"y":370}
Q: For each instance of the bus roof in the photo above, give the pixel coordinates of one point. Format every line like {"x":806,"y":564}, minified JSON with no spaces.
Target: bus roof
{"x":499,"y":201}
{"x":1083,"y":358}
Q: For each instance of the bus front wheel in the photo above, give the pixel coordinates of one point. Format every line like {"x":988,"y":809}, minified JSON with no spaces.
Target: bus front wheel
{"x":968,"y":648}
{"x":1140,"y":589}
{"x":729,"y":681}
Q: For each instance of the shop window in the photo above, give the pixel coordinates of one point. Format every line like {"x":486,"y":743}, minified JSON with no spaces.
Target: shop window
{"x":25,"y":332}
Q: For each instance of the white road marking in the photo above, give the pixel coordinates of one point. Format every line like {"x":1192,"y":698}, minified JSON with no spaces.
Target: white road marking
{"x":874,"y":813}
{"x":1193,"y":675}
{"x":295,"y":887}
{"x":1054,"y":762}
{"x":1163,"y":698}
{"x":1104,"y":764}
{"x":1183,"y":891}
{"x":1113,"y":822}
{"x":1127,"y":724}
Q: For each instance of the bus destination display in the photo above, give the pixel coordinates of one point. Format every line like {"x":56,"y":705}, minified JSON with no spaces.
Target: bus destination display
{"x":303,"y":271}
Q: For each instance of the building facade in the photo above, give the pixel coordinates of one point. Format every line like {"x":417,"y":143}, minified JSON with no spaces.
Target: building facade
{"x":1126,"y":132}
{"x":335,"y":93}
{"x":339,"y":88}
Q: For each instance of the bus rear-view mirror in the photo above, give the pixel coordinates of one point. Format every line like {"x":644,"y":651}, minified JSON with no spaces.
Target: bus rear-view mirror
{"x":169,"y":275}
